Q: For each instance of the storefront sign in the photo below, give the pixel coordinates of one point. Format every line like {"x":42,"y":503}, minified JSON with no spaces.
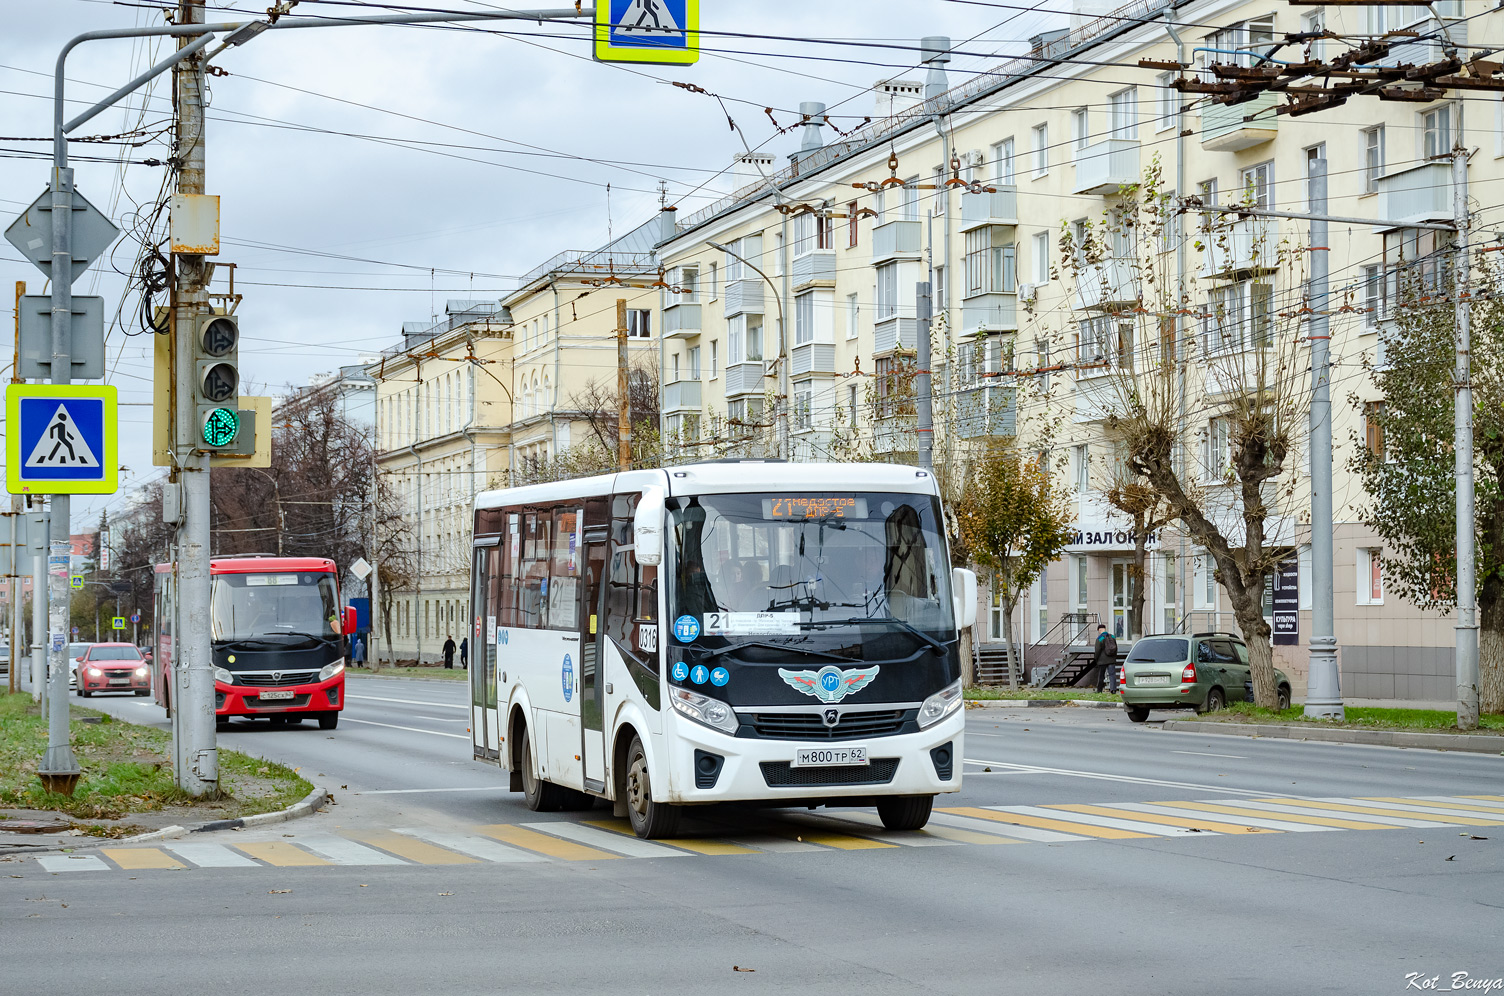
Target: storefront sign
{"x":1286,"y":601}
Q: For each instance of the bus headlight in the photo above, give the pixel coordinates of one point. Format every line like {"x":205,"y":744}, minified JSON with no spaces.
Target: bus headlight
{"x":223,"y":676}
{"x":940,"y":705}
{"x":703,"y":709}
{"x":330,"y":670}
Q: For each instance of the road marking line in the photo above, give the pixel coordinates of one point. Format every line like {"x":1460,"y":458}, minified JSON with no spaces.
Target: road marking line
{"x":542,"y":843}
{"x":631,"y":847}
{"x":775,"y":845}
{"x":700,"y":845}
{"x":379,"y":698}
{"x":1186,"y":809}
{"x":982,"y":821}
{"x":1092,"y":826}
{"x":410,"y":729}
{"x":73,"y":863}
{"x":1320,"y":821}
{"x":1202,"y":753}
{"x":343,"y":851}
{"x":210,"y":855}
{"x":476,"y":847}
{"x":413,"y":850}
{"x":1433,"y":810}
{"x":1279,"y":807}
{"x":1461,"y":802}
{"x":1172,"y":821}
{"x":840,"y":841}
{"x":485,"y":788}
{"x":133,"y":858}
{"x":871,"y":825}
{"x":1489,"y":798}
{"x":281,"y":854}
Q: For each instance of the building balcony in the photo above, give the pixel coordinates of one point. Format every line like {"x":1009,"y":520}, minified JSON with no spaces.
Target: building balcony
{"x":744,"y":296}
{"x":895,"y":434}
{"x":997,"y":208}
{"x":1421,"y":193}
{"x":744,"y":378}
{"x":681,"y":395}
{"x":989,"y":410}
{"x":812,"y":358}
{"x":896,"y":240}
{"x":681,"y":321}
{"x":891,"y":334}
{"x":1107,"y":284}
{"x":1230,"y":127}
{"x":1249,"y":244}
{"x":986,"y":313}
{"x":1107,"y":166}
{"x":815,"y":267}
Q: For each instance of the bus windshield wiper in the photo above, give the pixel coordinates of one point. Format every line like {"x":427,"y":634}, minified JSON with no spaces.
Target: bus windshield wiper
{"x":935,"y":644}
{"x":781,"y":648}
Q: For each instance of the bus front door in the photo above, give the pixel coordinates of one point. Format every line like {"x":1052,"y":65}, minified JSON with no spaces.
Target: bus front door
{"x":592,"y":661}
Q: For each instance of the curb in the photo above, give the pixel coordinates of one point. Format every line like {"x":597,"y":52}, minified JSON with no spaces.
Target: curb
{"x":1472,"y":743}
{"x":1038,"y":704}
{"x":307,"y":806}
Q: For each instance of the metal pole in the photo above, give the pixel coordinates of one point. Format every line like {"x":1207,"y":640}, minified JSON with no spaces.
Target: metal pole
{"x":1467,"y":592}
{"x":198,"y":773}
{"x":623,"y":401}
{"x":1324,"y":685}
{"x":925,"y":427}
{"x":16,"y":531}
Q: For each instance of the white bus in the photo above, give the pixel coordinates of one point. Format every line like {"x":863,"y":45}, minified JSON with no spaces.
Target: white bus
{"x":744,"y":631}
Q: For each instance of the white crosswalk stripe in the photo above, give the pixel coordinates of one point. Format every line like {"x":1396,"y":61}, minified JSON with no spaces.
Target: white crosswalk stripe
{"x":476,"y":847}
{"x":632,"y":847}
{"x":207,"y":855}
{"x":1247,"y":821}
{"x":346,"y":852}
{"x":1338,"y":814}
{"x":1003,"y":829}
{"x":72,"y":863}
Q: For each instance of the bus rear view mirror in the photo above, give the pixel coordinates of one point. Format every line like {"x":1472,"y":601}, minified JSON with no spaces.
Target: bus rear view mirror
{"x":647,"y":527}
{"x":964,"y":590}
{"x":350,"y":620}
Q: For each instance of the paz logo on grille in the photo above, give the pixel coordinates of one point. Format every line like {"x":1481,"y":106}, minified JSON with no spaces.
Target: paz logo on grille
{"x":830,"y":683}
{"x":831,"y":717}
{"x":277,"y":677}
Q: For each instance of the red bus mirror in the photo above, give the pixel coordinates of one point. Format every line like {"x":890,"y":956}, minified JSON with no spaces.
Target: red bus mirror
{"x":350,"y":623}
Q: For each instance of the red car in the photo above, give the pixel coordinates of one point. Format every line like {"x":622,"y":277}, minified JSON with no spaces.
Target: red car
{"x":113,"y":667}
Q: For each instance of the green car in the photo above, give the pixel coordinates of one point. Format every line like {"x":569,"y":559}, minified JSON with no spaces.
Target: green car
{"x":1202,"y":671}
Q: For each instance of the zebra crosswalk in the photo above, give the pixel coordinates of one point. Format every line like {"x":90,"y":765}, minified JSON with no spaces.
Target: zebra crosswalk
{"x":594,"y":840}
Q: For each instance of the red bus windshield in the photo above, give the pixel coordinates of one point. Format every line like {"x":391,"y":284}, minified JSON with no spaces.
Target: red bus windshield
{"x":276,"y":603}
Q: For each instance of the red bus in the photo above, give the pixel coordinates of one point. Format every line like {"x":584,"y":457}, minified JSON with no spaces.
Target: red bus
{"x":278,"y":637}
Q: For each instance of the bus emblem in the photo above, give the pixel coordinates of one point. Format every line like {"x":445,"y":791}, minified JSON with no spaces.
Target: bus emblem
{"x":832,"y":717}
{"x":830,"y":683}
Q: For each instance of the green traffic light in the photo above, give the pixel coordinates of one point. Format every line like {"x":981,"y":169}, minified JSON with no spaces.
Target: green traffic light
{"x":221,"y":427}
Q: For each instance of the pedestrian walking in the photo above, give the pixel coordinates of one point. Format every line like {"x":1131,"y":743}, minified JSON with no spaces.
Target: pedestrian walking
{"x":465,"y":652}
{"x":449,"y":652}
{"x":358,"y":652}
{"x":1105,"y":656}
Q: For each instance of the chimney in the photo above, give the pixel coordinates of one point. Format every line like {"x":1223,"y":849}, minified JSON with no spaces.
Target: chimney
{"x":896,"y":96}
{"x":1050,"y":44}
{"x":810,"y":139}
{"x":666,"y":226}
{"x":936,"y":51}
{"x":748,"y":168}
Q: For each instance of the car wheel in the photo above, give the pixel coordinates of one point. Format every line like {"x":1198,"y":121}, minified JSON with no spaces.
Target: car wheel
{"x":650,"y":819}
{"x":1282,"y":698}
{"x":541,"y":796}
{"x":905,"y":812}
{"x":1138,"y":713}
{"x":328,"y":720}
{"x":83,"y":692}
{"x":1215,"y":699}
{"x":143,"y":692}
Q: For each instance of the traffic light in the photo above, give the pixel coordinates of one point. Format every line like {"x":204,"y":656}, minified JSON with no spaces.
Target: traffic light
{"x":216,"y":342}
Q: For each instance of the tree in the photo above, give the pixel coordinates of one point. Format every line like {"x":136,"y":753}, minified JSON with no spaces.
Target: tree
{"x":1408,"y":464}
{"x":142,"y":541}
{"x":1149,"y":512}
{"x":396,"y":552}
{"x":599,"y":405}
{"x":1013,"y":522}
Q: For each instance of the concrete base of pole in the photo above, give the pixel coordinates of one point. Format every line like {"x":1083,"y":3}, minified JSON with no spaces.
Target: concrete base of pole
{"x":59,"y":771}
{"x":1323,"y":686}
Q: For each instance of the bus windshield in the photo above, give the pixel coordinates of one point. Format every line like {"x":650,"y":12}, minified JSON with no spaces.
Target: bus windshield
{"x":754,"y":566}
{"x":299,"y":604}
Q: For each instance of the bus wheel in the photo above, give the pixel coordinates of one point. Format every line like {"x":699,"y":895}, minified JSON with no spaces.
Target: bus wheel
{"x":905,"y":812}
{"x":650,"y":820}
{"x":328,"y":720}
{"x":540,"y":796}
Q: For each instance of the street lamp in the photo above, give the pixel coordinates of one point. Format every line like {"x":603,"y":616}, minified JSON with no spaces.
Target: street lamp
{"x":782,"y":367}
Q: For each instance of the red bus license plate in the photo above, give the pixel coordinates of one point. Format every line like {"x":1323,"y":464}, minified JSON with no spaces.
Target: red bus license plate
{"x":274,"y":696}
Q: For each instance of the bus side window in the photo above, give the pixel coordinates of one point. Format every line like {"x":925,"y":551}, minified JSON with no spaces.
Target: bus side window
{"x":535,"y":551}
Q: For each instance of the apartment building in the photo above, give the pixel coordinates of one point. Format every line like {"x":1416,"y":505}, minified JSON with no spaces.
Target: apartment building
{"x":1018,"y":194}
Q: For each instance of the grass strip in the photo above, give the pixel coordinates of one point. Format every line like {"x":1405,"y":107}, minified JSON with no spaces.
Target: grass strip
{"x":1358,"y":718}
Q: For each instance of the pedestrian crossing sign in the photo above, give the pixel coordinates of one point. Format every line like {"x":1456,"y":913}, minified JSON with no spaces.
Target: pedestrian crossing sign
{"x":662,"y":32}
{"x":61,"y":439}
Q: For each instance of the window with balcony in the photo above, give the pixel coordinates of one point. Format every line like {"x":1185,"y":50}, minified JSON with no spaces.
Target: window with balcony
{"x":639,"y":323}
{"x":804,"y":318}
{"x":1169,"y":101}
{"x":1122,"y":113}
{"x":1080,"y":128}
{"x":1041,"y":150}
{"x":811,"y":231}
{"x":1373,"y":157}
{"x":1436,"y":132}
{"x":1237,"y":44}
{"x":1216,"y":450}
{"x":981,"y":361}
{"x":990,"y":266}
{"x":1105,"y":341}
{"x":887,"y":291}
{"x":748,"y":248}
{"x":1238,"y":317}
{"x":1002,"y":162}
{"x":1417,"y":269}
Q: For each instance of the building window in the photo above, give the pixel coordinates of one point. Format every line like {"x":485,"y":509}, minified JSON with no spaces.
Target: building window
{"x":942,"y":192}
{"x":1436,"y":132}
{"x":853,"y":316}
{"x":804,"y":318}
{"x":1370,"y":576}
{"x":1080,"y":128}
{"x":851,"y":224}
{"x":1217,"y":449}
{"x":1171,"y":595}
{"x":851,"y":404}
{"x":1081,"y":467}
{"x":1042,"y":258}
{"x":1041,"y":149}
{"x":1002,"y":162}
{"x":1373,"y":157}
{"x":1169,"y":101}
{"x":715,"y":359}
{"x":1258,"y":185}
{"x":715,"y":276}
{"x":937,"y":296}
{"x":911,"y":199}
{"x":887,"y":291}
{"x":694,"y":362}
{"x":1123,"y":111}
{"x":1373,"y":426}
{"x":811,"y":232}
{"x":803,"y":401}
{"x":1204,"y":590}
{"x":1081,"y":589}
{"x":639,"y":323}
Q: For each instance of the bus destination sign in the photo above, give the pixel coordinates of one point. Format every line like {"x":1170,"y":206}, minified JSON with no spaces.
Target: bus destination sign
{"x":814,"y":507}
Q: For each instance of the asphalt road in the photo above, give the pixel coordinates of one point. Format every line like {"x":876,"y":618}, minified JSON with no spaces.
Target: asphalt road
{"x":462,"y":889}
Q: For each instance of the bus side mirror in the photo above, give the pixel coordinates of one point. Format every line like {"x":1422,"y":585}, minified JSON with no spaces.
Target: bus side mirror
{"x":647,"y":527}
{"x":350,"y":622}
{"x":963,"y":585}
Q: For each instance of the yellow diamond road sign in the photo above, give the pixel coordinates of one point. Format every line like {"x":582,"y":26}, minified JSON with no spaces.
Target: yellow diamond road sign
{"x":663,"y":32}
{"x":60,"y":439}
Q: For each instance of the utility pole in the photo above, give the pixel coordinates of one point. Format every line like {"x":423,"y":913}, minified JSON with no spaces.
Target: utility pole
{"x":924,"y":430}
{"x":1324,"y":690}
{"x":1467,"y":591}
{"x":623,"y":399}
{"x":197,"y":770}
{"x":16,"y":532}
{"x":38,"y":530}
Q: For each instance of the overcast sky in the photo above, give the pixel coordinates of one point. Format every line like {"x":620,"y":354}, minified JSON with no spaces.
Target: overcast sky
{"x":366,"y":174}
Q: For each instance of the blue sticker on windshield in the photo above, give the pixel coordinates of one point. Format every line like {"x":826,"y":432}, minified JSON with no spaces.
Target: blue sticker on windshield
{"x":687,"y":629}
{"x":681,"y":671}
{"x":568,"y":678}
{"x":699,"y":674}
{"x":719,"y":677}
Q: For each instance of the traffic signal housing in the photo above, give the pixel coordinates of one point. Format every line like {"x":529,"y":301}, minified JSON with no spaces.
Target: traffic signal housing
{"x":216,"y":385}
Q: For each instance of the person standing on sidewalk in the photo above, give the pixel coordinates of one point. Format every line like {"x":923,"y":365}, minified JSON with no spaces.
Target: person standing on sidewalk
{"x":358,"y":653}
{"x":449,"y":652}
{"x":1105,"y":656}
{"x":465,"y":652}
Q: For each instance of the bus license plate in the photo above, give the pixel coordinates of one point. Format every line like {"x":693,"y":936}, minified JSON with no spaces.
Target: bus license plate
{"x":818,"y":757}
{"x":1152,"y":679}
{"x":272,"y":696}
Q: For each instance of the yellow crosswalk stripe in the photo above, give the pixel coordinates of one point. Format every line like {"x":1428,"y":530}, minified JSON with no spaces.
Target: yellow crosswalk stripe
{"x":840,"y":841}
{"x":967,"y":836}
{"x":699,"y":845}
{"x":132,"y":858}
{"x":542,"y":843}
{"x":1059,"y":826}
{"x":1380,"y":811}
{"x":1169,"y":821}
{"x":280,"y":853}
{"x":1458,"y":806}
{"x":1490,"y":798}
{"x":412,"y":849}
{"x":1269,"y":814}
